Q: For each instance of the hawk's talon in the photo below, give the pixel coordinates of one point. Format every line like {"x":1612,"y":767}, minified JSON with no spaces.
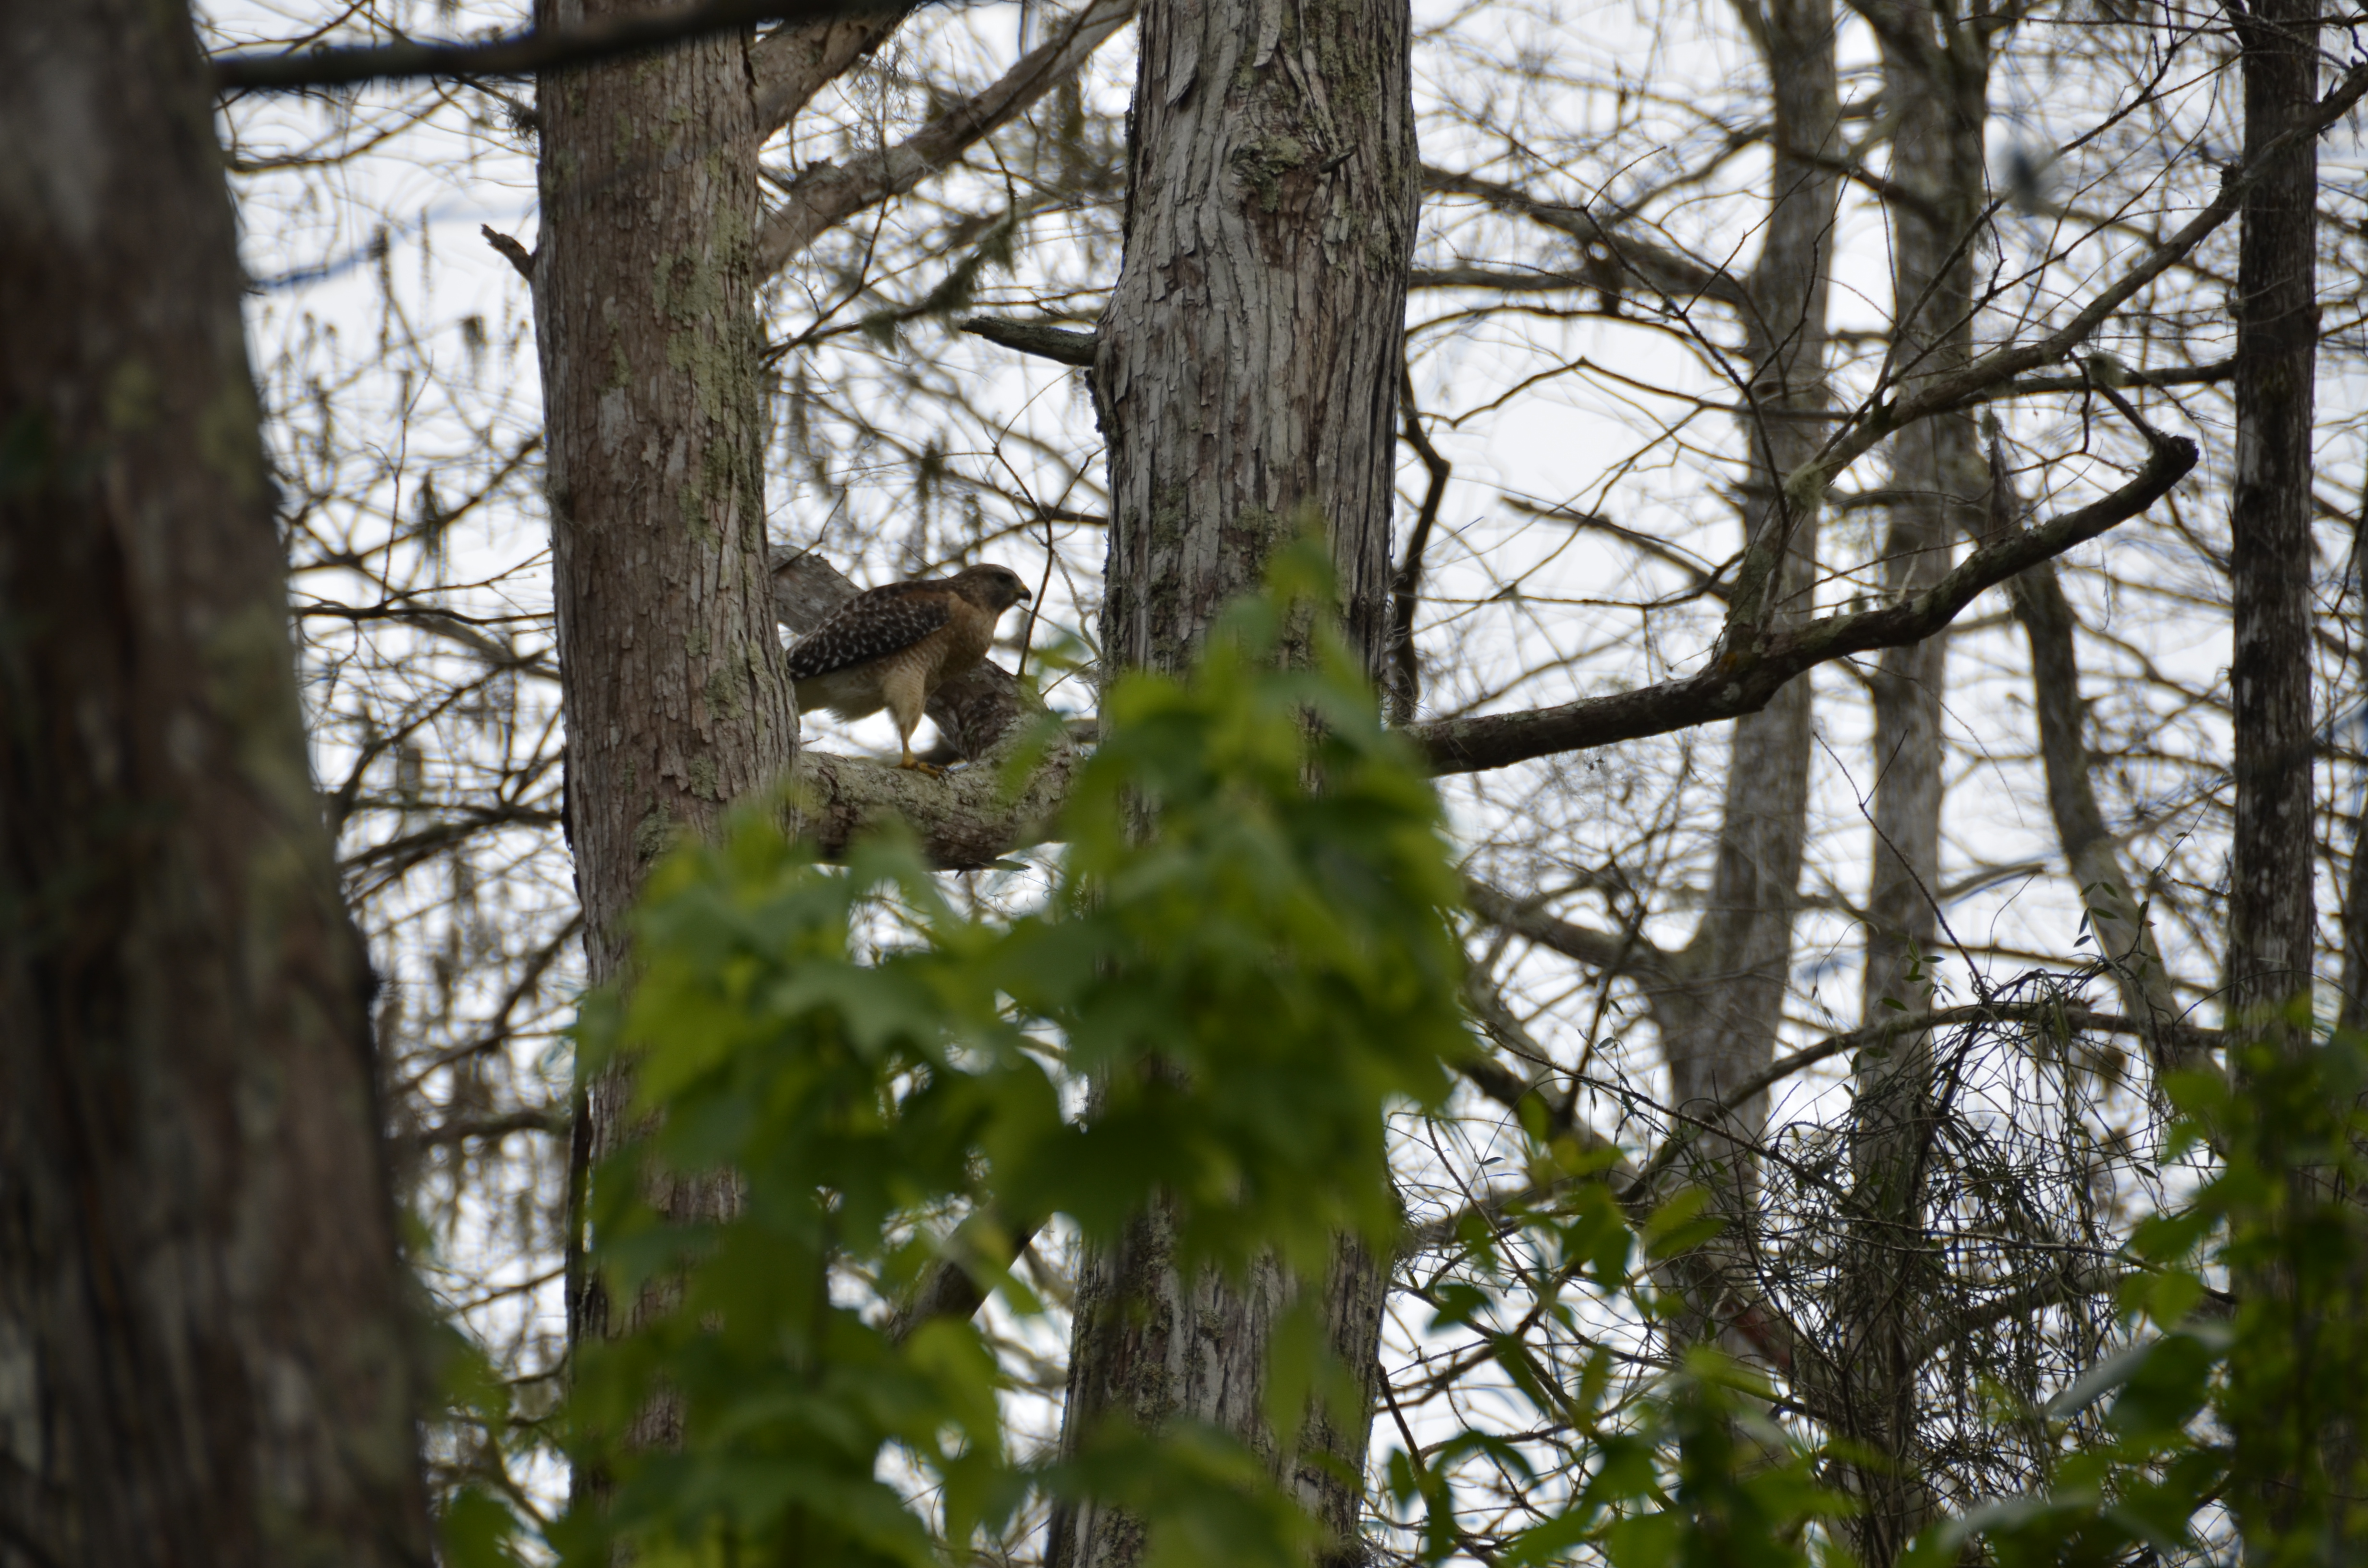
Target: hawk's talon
{"x":915,"y":764}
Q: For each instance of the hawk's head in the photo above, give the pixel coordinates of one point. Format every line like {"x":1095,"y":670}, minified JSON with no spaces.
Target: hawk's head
{"x":991,"y":587}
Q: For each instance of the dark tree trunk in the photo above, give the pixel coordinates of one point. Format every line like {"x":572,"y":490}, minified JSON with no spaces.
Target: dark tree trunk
{"x":206,"y":1354}
{"x":2310,"y":1428}
{"x":1246,"y":374}
{"x":677,"y":700}
{"x":2353,"y":1007}
{"x":2269,"y":919}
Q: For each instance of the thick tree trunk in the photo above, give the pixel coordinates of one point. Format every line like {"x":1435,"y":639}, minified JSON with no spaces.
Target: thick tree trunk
{"x":2270,"y":918}
{"x":205,"y":1351}
{"x":1245,"y":367}
{"x":677,"y":700}
{"x":1246,"y":375}
{"x":1936,"y":69}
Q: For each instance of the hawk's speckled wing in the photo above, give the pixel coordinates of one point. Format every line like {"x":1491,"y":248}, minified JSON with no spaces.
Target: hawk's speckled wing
{"x":871,"y":626}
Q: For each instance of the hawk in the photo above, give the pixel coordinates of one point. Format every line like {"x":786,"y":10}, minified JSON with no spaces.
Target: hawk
{"x":892,"y":646}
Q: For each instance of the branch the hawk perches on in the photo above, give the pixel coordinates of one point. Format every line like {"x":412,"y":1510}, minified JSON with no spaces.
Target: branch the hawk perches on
{"x":894,"y":646}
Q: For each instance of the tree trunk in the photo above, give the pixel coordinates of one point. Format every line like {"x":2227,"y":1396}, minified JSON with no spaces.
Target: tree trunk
{"x":677,"y":698}
{"x":1246,"y":375}
{"x":1936,"y":69}
{"x":677,"y":702}
{"x":2352,"y":1005}
{"x":2301,"y":1495}
{"x":2270,"y":920}
{"x":1246,"y":367}
{"x":205,"y":1351}
{"x":1719,"y":1025}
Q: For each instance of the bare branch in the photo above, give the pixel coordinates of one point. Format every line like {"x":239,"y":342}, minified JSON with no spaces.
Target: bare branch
{"x":1877,"y":419}
{"x":1614,"y":952}
{"x":524,"y":54}
{"x":824,"y":194}
{"x":517,"y":254}
{"x":1751,"y":667}
{"x":1060,"y":343}
{"x":793,"y":63}
{"x":1622,"y":260}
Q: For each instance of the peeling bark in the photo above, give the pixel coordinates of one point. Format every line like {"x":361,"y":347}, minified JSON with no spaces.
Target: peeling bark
{"x":206,"y":1354}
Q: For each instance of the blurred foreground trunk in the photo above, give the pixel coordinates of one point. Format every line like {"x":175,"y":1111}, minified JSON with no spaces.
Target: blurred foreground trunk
{"x":205,"y":1352}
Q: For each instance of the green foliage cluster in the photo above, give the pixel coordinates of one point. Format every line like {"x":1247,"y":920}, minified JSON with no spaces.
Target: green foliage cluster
{"x":1243,"y":967}
{"x":1246,"y":954}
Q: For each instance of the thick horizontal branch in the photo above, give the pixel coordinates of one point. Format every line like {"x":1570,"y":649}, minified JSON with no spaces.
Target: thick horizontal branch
{"x":1744,"y":675}
{"x":1501,"y":279}
{"x":1061,"y":345}
{"x":522,"y":54}
{"x":966,"y":819}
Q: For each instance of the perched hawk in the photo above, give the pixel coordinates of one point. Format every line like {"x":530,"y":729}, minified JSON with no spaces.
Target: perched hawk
{"x":890,"y":647}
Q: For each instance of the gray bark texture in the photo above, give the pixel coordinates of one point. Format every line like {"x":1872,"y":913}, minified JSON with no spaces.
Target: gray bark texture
{"x":1936,"y":69}
{"x":205,"y":1352}
{"x":645,"y":284}
{"x":677,"y":700}
{"x":1246,"y":371}
{"x":1720,"y":1015}
{"x":1247,"y":366}
{"x":2269,"y":914}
